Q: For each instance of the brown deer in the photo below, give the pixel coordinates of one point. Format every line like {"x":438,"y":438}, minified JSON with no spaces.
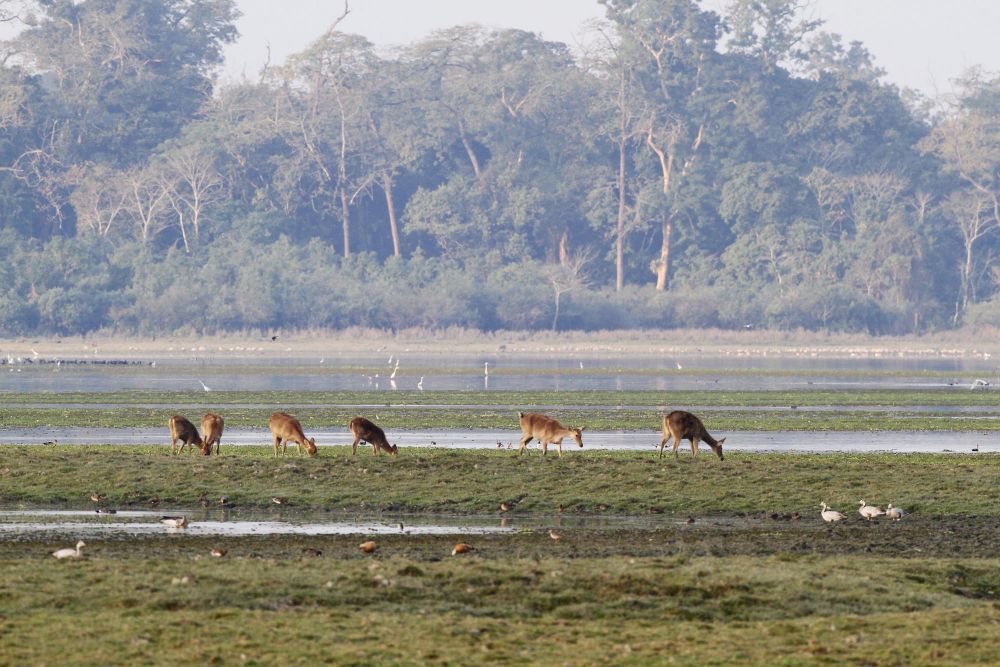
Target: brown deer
{"x":183,"y":430}
{"x":680,"y":425}
{"x":211,"y":432}
{"x":547,"y":430}
{"x":285,"y":428}
{"x":366,"y":430}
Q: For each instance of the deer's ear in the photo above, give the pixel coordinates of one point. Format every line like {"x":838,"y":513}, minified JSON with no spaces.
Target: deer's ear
{"x":583,"y":428}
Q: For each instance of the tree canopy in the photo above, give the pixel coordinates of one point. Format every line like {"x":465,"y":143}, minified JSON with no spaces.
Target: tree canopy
{"x":682,"y":168}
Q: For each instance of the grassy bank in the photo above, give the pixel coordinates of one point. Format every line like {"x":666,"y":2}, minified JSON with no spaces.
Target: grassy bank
{"x":477,"y":481}
{"x":631,"y":411}
{"x":189,"y":608}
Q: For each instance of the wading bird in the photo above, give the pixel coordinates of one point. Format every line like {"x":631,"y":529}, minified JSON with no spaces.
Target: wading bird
{"x":70,"y":553}
{"x":830,"y":515}
{"x":869,"y":511}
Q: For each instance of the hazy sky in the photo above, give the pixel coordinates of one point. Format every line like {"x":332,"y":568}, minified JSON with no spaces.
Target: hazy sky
{"x":921,"y":43}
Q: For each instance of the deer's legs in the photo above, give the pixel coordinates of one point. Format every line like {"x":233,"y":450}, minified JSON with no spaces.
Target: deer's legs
{"x":694,"y":447}
{"x":277,"y":442}
{"x":524,"y":443}
{"x":664,"y":441}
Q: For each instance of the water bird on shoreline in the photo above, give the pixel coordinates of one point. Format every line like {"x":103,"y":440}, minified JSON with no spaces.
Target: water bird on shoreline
{"x":105,"y":511}
{"x":219,"y":553}
{"x":554,"y":535}
{"x":174,"y":521}
{"x":310,"y":552}
{"x":278,"y":500}
{"x":70,"y":553}
{"x":368,"y":547}
{"x":97,"y":497}
{"x":830,"y":515}
{"x":420,"y":385}
{"x":894,"y":513}
{"x":204,"y":386}
{"x":461,"y":548}
{"x":869,"y":511}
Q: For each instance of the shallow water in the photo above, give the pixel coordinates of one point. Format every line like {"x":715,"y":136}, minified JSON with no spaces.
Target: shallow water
{"x":41,"y":523}
{"x":736,"y":441}
{"x":264,"y":372}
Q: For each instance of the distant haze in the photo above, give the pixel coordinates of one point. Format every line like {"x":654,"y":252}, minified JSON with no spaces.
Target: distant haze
{"x":921,"y":44}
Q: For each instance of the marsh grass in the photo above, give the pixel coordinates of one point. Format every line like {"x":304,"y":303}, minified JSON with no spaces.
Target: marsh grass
{"x":466,"y":481}
{"x":154,"y":609}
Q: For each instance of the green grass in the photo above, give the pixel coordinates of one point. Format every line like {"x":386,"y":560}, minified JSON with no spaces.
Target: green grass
{"x":185,"y":607}
{"x":630,"y":411}
{"x":477,"y":481}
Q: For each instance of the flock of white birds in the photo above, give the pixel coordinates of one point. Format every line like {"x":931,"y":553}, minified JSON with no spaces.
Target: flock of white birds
{"x":865,"y":510}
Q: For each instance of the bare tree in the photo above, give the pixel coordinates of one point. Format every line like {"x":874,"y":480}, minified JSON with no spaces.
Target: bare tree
{"x":146,"y":202}
{"x":568,"y":275}
{"x":973,"y":218}
{"x":192,"y":185}
{"x":98,"y":197}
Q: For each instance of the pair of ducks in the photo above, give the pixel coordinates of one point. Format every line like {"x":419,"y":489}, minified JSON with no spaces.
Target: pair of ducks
{"x":867,"y":511}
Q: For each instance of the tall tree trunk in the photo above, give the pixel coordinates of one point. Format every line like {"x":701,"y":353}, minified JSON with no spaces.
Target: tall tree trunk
{"x":391,"y":206}
{"x":620,"y":226}
{"x":345,"y":214}
{"x":468,"y":149}
{"x":662,"y":266}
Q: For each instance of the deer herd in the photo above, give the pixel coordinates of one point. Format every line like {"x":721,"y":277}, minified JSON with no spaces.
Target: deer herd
{"x":285,"y":428}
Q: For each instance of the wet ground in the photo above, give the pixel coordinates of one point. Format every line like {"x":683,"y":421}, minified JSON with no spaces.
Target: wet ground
{"x":430,"y":537}
{"x":737,"y":441}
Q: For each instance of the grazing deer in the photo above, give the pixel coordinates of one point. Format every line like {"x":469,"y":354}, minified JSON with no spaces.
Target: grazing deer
{"x":211,"y":432}
{"x":285,"y":428}
{"x":366,"y":430}
{"x":547,"y":430}
{"x":183,"y":430}
{"x":680,"y":425}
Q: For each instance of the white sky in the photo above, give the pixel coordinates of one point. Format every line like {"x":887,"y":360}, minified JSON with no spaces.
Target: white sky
{"x":921,"y":43}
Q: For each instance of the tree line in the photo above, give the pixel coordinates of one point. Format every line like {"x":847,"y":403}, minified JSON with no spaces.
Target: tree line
{"x":680,"y":168}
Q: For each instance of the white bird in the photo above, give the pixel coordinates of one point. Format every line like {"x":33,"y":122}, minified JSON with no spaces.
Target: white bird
{"x":869,"y":511}
{"x":174,"y":521}
{"x":486,"y":368}
{"x":388,"y":363}
{"x":420,"y":385}
{"x":830,"y":515}
{"x":204,"y":386}
{"x":980,"y":383}
{"x":393,"y":376}
{"x":894,"y":513}
{"x":33,"y":352}
{"x":581,"y":365}
{"x":679,"y":367}
{"x":70,"y":553}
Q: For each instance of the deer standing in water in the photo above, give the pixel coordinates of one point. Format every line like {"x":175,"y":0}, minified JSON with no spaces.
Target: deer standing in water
{"x":680,"y":425}
{"x":211,"y":432}
{"x":364,"y":429}
{"x":547,"y":430}
{"x":183,"y":430}
{"x":285,"y":428}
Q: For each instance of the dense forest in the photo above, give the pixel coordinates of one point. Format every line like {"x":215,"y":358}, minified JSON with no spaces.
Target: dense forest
{"x":679,"y":169}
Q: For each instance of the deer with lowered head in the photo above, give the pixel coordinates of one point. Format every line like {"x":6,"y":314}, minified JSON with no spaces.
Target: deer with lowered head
{"x":547,"y":430}
{"x":364,"y":429}
{"x":211,"y":432}
{"x":681,"y":425}
{"x":183,"y":430}
{"x":285,"y":428}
